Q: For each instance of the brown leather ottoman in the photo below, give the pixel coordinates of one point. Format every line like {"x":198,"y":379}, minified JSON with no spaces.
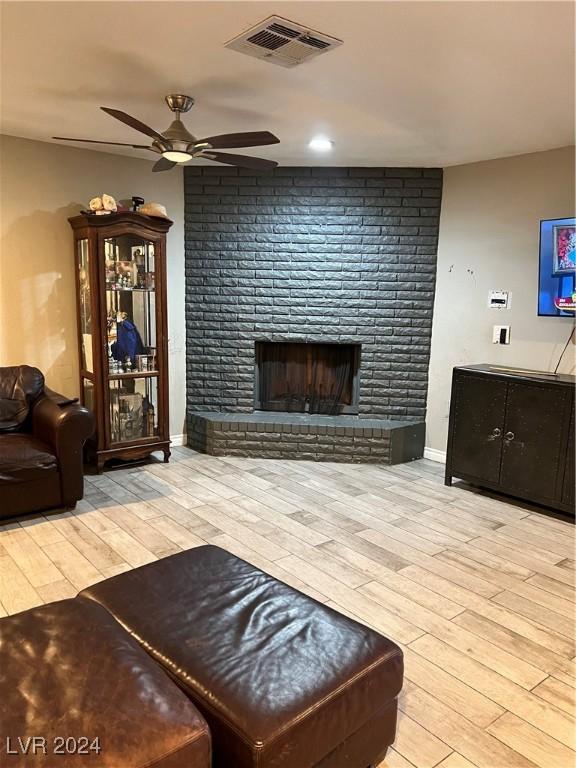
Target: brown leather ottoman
{"x":77,"y":691}
{"x":283,"y":681}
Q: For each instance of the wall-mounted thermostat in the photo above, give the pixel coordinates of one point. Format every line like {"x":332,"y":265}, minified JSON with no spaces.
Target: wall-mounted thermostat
{"x":501,"y":334}
{"x":499,"y":299}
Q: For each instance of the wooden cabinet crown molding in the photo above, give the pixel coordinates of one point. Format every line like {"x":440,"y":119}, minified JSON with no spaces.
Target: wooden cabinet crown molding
{"x":154,"y":223}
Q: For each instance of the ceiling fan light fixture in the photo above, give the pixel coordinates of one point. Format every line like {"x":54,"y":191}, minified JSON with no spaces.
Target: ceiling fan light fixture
{"x":176,"y":156}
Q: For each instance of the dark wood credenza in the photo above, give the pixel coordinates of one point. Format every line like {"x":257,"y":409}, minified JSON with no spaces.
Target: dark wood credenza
{"x":512,"y":431}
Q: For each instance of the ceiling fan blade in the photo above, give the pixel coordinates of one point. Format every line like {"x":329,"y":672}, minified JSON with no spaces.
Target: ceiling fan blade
{"x":113,"y":143}
{"x":233,"y":140}
{"x":242,"y":161}
{"x":163,"y":165}
{"x":134,"y":123}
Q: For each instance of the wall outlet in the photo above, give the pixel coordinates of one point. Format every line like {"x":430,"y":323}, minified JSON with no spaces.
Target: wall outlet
{"x":501,"y":334}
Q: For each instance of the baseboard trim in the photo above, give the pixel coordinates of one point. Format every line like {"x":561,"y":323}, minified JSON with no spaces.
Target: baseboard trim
{"x":178,"y":440}
{"x":435,"y":455}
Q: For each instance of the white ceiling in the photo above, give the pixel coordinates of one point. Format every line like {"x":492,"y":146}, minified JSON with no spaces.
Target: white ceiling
{"x":415,"y":83}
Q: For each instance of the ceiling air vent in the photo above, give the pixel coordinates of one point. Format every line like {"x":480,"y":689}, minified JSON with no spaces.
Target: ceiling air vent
{"x":282,"y":42}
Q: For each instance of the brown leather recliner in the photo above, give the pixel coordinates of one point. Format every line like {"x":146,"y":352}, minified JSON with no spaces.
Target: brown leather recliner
{"x":42,"y":435}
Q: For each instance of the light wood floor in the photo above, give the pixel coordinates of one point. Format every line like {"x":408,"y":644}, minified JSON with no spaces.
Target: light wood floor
{"x":478,"y":592}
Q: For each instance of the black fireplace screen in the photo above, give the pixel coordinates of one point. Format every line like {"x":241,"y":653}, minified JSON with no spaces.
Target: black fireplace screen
{"x":306,"y":378}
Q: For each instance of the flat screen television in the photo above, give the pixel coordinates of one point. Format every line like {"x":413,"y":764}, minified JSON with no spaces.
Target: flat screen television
{"x":556,"y":283}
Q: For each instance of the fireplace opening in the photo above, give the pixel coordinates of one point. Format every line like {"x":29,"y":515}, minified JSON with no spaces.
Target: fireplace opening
{"x":307,"y":377}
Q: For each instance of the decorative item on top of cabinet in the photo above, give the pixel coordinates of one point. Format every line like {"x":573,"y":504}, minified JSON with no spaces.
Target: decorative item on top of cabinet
{"x":512,"y":430}
{"x":122,"y":333}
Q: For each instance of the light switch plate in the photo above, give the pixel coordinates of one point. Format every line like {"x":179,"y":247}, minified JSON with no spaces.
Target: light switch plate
{"x":501,"y":334}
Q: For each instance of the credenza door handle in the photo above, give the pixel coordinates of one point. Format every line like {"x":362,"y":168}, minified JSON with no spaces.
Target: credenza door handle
{"x":509,"y":436}
{"x":496,"y":432}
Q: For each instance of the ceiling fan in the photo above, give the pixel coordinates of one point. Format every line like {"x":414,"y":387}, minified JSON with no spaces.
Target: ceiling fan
{"x":177,"y":145}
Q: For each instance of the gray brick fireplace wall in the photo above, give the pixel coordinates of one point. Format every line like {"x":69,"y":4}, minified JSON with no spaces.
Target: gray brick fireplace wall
{"x":311,"y":254}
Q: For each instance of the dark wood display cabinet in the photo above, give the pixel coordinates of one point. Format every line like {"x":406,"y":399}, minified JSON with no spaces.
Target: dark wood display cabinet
{"x":122,"y":333}
{"x":513,"y":431}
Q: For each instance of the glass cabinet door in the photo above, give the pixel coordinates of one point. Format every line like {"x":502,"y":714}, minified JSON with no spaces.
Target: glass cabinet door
{"x":85,"y":306}
{"x":85,"y":320}
{"x":131,"y":344}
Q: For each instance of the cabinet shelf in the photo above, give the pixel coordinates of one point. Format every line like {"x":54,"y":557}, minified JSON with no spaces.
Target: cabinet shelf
{"x":133,"y":375}
{"x":130,"y":290}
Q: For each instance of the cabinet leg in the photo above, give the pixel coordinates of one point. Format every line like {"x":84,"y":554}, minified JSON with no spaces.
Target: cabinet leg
{"x":167,"y":455}
{"x":100,"y":467}
{"x":448,"y":480}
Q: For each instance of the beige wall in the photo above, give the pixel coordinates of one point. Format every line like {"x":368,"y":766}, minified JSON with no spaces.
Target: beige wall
{"x":41,"y":185}
{"x":489,"y":234}
{"x":488,"y":239}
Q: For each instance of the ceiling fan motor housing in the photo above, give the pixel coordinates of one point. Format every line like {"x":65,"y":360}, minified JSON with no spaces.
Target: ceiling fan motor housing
{"x":177,"y":133}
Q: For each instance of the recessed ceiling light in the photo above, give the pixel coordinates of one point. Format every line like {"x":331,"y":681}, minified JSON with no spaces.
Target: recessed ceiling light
{"x":321,"y":144}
